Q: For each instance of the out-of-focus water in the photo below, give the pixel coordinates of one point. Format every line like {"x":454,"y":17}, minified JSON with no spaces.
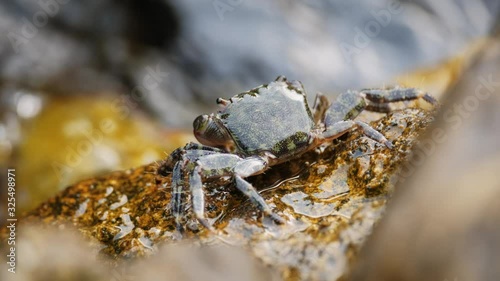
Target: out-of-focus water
{"x":200,"y":50}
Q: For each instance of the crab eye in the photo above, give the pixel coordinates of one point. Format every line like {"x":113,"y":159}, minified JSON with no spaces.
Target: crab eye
{"x":200,"y":123}
{"x":209,"y":132}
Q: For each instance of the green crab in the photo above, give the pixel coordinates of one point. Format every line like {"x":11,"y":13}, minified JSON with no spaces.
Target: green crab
{"x":263,"y":127}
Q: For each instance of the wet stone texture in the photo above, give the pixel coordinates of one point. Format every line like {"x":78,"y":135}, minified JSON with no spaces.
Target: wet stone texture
{"x":331,"y":200}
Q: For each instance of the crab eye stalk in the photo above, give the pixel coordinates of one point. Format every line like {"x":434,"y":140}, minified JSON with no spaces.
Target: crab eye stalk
{"x":222,"y":102}
{"x":210,"y":132}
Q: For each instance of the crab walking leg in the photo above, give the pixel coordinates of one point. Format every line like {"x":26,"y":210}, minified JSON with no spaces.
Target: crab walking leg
{"x":379,"y":107}
{"x":373,"y":134}
{"x":337,"y":129}
{"x":191,"y":161}
{"x":246,"y":168}
{"x":347,"y":106}
{"x":177,"y":190}
{"x":350,"y":104}
{"x":200,"y":165}
{"x":321,"y":104}
{"x":249,"y":191}
{"x":396,"y":94}
{"x":198,"y":198}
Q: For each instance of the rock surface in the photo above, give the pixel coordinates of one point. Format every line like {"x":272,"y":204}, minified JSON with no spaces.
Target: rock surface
{"x":331,"y":201}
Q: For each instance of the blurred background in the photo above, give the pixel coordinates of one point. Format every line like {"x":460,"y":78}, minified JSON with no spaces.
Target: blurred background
{"x":88,"y":87}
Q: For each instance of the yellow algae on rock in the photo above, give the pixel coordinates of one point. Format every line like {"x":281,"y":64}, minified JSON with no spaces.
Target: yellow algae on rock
{"x":79,"y":137}
{"x":331,"y":200}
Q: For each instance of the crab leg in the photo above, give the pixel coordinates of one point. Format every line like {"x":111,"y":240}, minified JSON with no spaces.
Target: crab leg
{"x":177,"y":190}
{"x":198,"y":198}
{"x":217,"y":165}
{"x":321,"y":104}
{"x":379,"y":107}
{"x":184,"y":158}
{"x":347,"y":106}
{"x":337,"y":129}
{"x":210,"y":165}
{"x":338,"y":117}
{"x":373,"y":134}
{"x":248,"y":167}
{"x":250,"y":191}
{"x":396,"y":94}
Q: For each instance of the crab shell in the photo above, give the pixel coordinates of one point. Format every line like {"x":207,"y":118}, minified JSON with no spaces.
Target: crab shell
{"x":273,"y":118}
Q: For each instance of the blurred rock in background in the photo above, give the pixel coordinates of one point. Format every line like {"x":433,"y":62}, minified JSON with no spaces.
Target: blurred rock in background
{"x":443,"y":222}
{"x":69,"y":257}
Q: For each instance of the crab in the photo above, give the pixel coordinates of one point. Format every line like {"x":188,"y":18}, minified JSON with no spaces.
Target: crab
{"x":263,"y":127}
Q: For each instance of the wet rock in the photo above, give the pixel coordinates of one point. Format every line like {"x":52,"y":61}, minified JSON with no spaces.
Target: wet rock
{"x":331,"y":199}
